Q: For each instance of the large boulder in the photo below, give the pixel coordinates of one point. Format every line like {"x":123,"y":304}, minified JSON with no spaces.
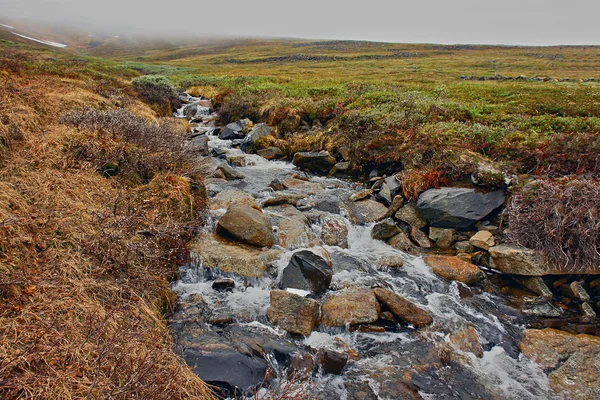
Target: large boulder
{"x":355,"y":305}
{"x":315,"y":162}
{"x":454,"y":269}
{"x":259,"y":130}
{"x":230,"y":257}
{"x":293,"y":312}
{"x":199,"y":144}
{"x":572,"y":361}
{"x":247,"y":224}
{"x":457,"y":207}
{"x":307,"y":271}
{"x":403,"y":308}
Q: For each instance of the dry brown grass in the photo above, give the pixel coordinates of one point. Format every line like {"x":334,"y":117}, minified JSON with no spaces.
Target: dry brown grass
{"x":84,"y":259}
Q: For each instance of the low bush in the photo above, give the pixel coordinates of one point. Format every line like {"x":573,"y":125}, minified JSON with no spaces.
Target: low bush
{"x":560,"y":218}
{"x":157,"y":90}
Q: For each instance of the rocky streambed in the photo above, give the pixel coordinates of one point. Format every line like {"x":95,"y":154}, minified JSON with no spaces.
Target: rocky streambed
{"x":311,"y":286}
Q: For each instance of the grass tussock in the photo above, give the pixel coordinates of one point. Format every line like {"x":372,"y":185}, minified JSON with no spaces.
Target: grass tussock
{"x":560,"y":218}
{"x":85,"y":255}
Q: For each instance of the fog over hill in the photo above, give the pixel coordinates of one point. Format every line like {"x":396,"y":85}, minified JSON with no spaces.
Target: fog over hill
{"x":521,"y":22}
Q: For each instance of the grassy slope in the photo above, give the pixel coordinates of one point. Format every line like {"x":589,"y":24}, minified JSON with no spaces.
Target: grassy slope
{"x":386,"y":111}
{"x":84,"y":259}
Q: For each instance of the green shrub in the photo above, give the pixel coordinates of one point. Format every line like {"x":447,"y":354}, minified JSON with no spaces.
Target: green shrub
{"x":156,"y":89}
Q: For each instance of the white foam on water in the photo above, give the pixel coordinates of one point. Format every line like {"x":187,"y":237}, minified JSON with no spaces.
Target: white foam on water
{"x":299,"y":292}
{"x":47,"y":42}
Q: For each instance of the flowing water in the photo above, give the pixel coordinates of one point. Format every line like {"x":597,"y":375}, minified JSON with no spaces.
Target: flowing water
{"x":384,"y":360}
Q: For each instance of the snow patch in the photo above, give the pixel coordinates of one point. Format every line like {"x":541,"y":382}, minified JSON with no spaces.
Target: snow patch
{"x":49,"y":43}
{"x":7,"y":26}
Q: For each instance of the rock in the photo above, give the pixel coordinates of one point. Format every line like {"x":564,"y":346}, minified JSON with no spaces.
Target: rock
{"x":397,"y":202}
{"x":482,"y":239}
{"x":292,"y":312}
{"x":540,"y":307}
{"x":322,"y":202}
{"x":445,"y":239}
{"x":299,"y":185}
{"x":229,"y":172}
{"x":384,"y":195}
{"x":411,"y":215}
{"x":283,"y":198}
{"x":341,"y":168}
{"x":286,"y":210}
{"x":571,"y":361}
{"x":219,"y":175}
{"x":366,"y":211}
{"x":464,"y":247}
{"x":535,"y":284}
{"x":333,"y":362}
{"x":270,"y":153}
{"x":454,"y":269}
{"x":352,"y":306}
{"x":393,"y":185}
{"x":575,"y":290}
{"x":235,"y":130}
{"x":334,"y":232}
{"x":363,"y":194}
{"x":403,"y":243}
{"x":420,"y":238}
{"x":587,"y":312}
{"x":493,"y":229}
{"x":403,"y":308}
{"x":467,"y":340}
{"x":307,"y":271}
{"x":230,"y":257}
{"x":385,"y":229}
{"x":391,"y":262}
{"x":228,"y":197}
{"x":517,"y":260}
{"x":293,"y":233}
{"x":457,"y":207}
{"x":199,"y":144}
{"x":315,"y":162}
{"x":259,"y":130}
{"x":223,"y":285}
{"x":247,"y":224}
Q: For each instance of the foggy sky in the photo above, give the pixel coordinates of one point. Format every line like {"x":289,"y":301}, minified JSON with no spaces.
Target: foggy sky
{"x":525,"y":22}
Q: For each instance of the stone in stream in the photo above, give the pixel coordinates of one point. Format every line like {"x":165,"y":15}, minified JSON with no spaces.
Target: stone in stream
{"x":259,"y":130}
{"x":223,"y":285}
{"x":482,"y":239}
{"x":333,"y":362}
{"x":420,"y":238}
{"x":464,"y":247}
{"x":247,"y":224}
{"x":229,"y":172}
{"x":199,"y":144}
{"x":402,"y":242}
{"x":293,"y":312}
{"x":322,"y":202}
{"x":570,"y":361}
{"x":270,"y":153}
{"x":231,"y":257}
{"x":341,"y":168}
{"x":454,"y":269}
{"x":535,"y":284}
{"x":391,"y":262}
{"x":334,"y":231}
{"x":393,"y":185}
{"x":403,"y":308}
{"x":293,"y":233}
{"x":315,"y":162}
{"x":307,"y":271}
{"x":276,"y":185}
{"x":445,"y":239}
{"x":225,"y":198}
{"x":366,"y":211}
{"x":302,"y":186}
{"x":411,"y":215}
{"x":397,"y":202}
{"x":385,"y":229}
{"x":384,"y":195}
{"x":352,"y":306}
{"x":457,"y":208}
{"x":467,"y":340}
{"x":363,"y":194}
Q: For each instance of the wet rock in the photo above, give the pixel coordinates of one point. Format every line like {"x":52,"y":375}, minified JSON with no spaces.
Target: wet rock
{"x":457,"y":207}
{"x":333,"y":362}
{"x":363,"y":194}
{"x":397,"y":202}
{"x":464,"y":247}
{"x":482,"y":239}
{"x":403,"y":243}
{"x":341,"y":168}
{"x":315,"y":162}
{"x":231,"y":257}
{"x":391,"y":262}
{"x":292,"y":312}
{"x":454,"y":269}
{"x":467,"y":340}
{"x":420,"y":238}
{"x":571,"y":361}
{"x":218,"y":174}
{"x":235,"y":130}
{"x":286,"y":210}
{"x":307,"y":271}
{"x":334,"y":231}
{"x":283,"y":198}
{"x":366,"y":211}
{"x":293,"y":233}
{"x":411,"y":215}
{"x":223,"y":285}
{"x":276,"y":185}
{"x":310,"y":188}
{"x":518,"y":260}
{"x":535,"y":284}
{"x":384,"y":195}
{"x":367,"y":328}
{"x":352,"y":306}
{"x":247,"y":224}
{"x":403,"y":308}
{"x":226,"y":198}
{"x":199,"y":144}
{"x":385,"y":229}
{"x":322,"y":202}
{"x":259,"y":130}
{"x":229,"y":172}
{"x":270,"y":153}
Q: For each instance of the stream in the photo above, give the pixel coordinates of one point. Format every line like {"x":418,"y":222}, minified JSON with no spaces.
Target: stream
{"x":225,"y":336}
